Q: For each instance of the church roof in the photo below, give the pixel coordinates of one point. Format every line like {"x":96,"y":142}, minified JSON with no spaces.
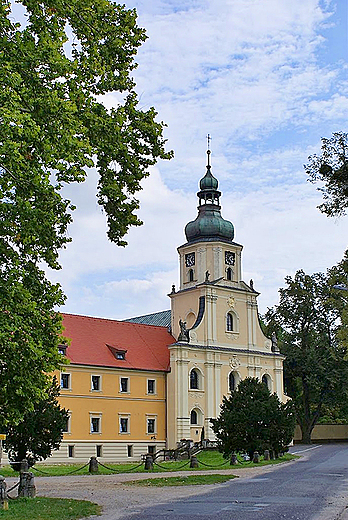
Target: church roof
{"x":160,"y":319}
{"x":98,"y":341}
{"x":209,"y":223}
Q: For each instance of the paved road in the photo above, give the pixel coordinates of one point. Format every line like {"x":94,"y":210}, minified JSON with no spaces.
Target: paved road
{"x":314,"y":488}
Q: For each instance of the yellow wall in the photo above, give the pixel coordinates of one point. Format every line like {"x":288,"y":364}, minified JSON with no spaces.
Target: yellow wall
{"x":109,"y":403}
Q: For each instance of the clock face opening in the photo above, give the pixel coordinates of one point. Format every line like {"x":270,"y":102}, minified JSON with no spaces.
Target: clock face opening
{"x":190,"y":259}
{"x":230,"y":258}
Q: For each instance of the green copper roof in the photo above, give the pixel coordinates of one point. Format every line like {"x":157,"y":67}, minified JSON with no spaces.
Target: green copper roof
{"x":209,"y":222}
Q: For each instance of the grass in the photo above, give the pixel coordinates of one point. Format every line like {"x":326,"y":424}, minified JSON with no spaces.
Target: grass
{"x":191,"y":480}
{"x":49,"y":509}
{"x":210,"y":459}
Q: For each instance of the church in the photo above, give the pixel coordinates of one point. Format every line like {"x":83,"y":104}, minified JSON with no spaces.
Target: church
{"x":143,"y":384}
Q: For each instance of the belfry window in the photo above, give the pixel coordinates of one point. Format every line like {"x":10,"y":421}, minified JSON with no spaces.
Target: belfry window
{"x":194,"y":379}
{"x":229,"y":322}
{"x":190,"y":275}
{"x":229,"y":273}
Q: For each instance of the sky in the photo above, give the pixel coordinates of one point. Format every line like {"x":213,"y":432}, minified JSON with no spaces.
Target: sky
{"x":266,"y":79}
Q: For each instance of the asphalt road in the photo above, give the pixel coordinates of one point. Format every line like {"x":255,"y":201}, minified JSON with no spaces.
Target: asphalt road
{"x":314,"y":488}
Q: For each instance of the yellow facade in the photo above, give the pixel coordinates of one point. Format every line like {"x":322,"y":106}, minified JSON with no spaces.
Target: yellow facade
{"x":104,"y":408}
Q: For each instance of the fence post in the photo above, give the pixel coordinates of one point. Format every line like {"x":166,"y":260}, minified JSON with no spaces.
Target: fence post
{"x":148,"y":462}
{"x":3,"y":494}
{"x":193,"y":462}
{"x":26,"y":486}
{"x":93,"y":465}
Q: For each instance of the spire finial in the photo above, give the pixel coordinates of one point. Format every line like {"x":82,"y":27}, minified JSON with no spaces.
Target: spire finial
{"x":208,"y":151}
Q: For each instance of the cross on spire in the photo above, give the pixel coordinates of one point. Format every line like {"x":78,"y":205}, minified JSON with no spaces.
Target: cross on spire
{"x":208,"y":151}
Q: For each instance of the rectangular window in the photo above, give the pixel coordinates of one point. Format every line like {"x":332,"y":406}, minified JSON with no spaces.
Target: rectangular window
{"x":151,"y":426}
{"x":71,"y":451}
{"x":130,"y":450}
{"x":65,"y":381}
{"x":66,"y":427}
{"x":151,"y":450}
{"x":124,"y":386}
{"x":151,"y":386}
{"x":95,"y":424}
{"x":95,"y":383}
{"x":99,"y":450}
{"x":124,"y":425}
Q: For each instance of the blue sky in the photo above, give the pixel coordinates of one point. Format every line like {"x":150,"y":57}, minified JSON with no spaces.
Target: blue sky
{"x":267,"y":79}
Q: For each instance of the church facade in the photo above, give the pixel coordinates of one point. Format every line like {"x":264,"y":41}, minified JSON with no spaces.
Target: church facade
{"x":215,"y":320}
{"x":144,"y":384}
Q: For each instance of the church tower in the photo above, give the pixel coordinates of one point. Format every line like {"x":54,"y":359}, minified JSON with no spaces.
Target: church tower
{"x":215,"y":322}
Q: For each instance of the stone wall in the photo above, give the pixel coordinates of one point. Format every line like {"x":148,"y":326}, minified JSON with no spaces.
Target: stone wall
{"x":326,"y":433}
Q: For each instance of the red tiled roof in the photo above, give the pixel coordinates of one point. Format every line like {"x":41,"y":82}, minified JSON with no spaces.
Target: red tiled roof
{"x":146,"y":345}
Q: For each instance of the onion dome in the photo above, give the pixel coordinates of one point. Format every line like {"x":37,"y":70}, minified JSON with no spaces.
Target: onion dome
{"x":209,"y":224}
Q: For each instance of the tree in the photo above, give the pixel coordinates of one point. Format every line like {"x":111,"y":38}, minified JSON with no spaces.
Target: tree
{"x":315,"y":368}
{"x":252,"y":419}
{"x":331,"y":169}
{"x":40,"y":431}
{"x":52,"y":126}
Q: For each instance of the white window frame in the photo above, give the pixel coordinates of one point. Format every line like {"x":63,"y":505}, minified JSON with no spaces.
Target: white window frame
{"x":69,"y":380}
{"x":100,"y":383}
{"x":128,"y":385}
{"x":68,"y":424}
{"x":154,"y":386}
{"x":95,"y":415}
{"x":124,"y":416}
{"x":150,"y":417}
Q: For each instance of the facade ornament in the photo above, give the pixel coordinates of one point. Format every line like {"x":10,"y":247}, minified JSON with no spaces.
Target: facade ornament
{"x":234,"y":361}
{"x":231,"y":302}
{"x":184,"y":333}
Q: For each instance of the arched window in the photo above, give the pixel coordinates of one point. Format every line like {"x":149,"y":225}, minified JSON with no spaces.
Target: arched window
{"x":194,"y":417}
{"x":231,"y":382}
{"x":194,"y":379}
{"x":190,"y":273}
{"x":266,"y":381}
{"x":229,"y":322}
{"x":229,"y":273}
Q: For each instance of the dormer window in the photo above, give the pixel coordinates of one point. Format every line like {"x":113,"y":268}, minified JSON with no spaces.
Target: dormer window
{"x":62,"y":349}
{"x":117,"y":352}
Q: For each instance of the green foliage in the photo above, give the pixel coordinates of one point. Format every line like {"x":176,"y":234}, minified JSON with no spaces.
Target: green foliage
{"x":40,"y":431}
{"x":43,"y":508}
{"x":331,"y":169}
{"x":52,"y":126}
{"x":252,"y":419}
{"x":309,"y":316}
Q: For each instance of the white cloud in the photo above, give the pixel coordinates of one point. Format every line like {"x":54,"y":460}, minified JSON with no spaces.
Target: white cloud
{"x":251,"y":73}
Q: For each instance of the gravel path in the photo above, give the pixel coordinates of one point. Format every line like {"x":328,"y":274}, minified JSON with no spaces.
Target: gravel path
{"x":118,"y":500}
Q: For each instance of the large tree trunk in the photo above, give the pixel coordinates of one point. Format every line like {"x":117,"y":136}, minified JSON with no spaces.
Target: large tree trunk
{"x":306,"y":431}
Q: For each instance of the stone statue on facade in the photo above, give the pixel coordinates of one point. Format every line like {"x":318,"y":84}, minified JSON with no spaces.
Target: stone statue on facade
{"x":274,"y":340}
{"x":184,"y":333}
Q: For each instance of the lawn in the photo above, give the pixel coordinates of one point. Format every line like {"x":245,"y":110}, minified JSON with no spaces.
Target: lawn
{"x":49,"y":509}
{"x":210,"y":459}
{"x":190,"y":480}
